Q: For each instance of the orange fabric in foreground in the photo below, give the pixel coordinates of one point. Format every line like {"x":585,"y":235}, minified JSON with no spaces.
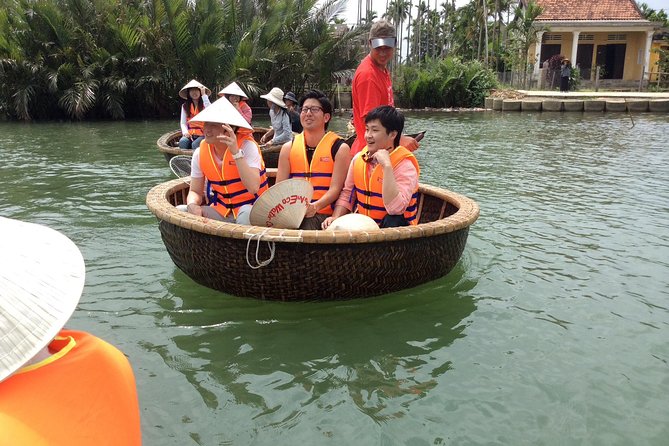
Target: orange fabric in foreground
{"x":86,"y":397}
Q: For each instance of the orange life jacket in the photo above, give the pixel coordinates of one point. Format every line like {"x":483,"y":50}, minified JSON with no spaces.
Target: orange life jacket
{"x":82,"y":395}
{"x":225,"y":190}
{"x":369,"y":189}
{"x":194,"y":128}
{"x":319,"y":172}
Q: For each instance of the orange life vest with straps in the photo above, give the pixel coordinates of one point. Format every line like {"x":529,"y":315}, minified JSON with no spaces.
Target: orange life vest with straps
{"x":369,"y":188}
{"x":319,"y":172}
{"x":194,"y":128}
{"x":82,"y":395}
{"x":225,"y":191}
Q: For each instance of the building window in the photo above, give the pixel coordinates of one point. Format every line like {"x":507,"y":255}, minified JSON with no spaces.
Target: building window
{"x":618,"y":37}
{"x":586,"y":37}
{"x":549,"y":37}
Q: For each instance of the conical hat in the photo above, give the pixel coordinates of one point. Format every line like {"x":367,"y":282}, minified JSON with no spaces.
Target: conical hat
{"x":353,"y":222}
{"x":233,"y":88}
{"x":222,"y":112}
{"x":41,"y":278}
{"x":183,"y":93}
{"x":283,"y":205}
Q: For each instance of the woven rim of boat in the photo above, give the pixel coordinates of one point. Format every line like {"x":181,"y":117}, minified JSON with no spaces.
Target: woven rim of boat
{"x":157,"y":200}
{"x":164,"y":146}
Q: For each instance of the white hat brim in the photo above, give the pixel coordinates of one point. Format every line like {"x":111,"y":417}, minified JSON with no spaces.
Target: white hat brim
{"x":222,"y":111}
{"x":235,"y":89}
{"x":273,"y":99}
{"x":183,"y":93}
{"x":42,"y":274}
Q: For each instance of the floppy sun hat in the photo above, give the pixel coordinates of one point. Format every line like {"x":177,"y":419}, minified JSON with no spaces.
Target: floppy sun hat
{"x":283,"y":205}
{"x":290,"y":96}
{"x":222,"y":112}
{"x":42,"y":276}
{"x":382,"y":34}
{"x":233,"y":88}
{"x":275,"y":95}
{"x":183,"y":93}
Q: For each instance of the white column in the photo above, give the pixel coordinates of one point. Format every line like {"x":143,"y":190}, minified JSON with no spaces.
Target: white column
{"x":574,"y":47}
{"x":646,"y":63}
{"x":537,"y":51}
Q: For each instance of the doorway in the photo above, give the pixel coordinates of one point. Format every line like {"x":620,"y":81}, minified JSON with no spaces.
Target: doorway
{"x":612,"y":59}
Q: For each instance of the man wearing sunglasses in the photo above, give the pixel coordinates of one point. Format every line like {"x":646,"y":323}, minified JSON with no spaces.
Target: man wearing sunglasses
{"x":372,"y":86}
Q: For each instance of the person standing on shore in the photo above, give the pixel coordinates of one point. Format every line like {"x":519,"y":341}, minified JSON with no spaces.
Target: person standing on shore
{"x":372,"y":86}
{"x":565,"y":73}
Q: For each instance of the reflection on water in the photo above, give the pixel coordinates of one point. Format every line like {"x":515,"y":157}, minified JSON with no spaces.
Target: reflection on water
{"x":552,"y":326}
{"x":375,"y":356}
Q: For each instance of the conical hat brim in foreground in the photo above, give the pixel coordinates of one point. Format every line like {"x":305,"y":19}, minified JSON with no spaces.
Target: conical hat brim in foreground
{"x":42,"y":276}
{"x":183,"y":93}
{"x":233,"y":88}
{"x":283,"y":205}
{"x":222,"y":112}
{"x":353,"y":222}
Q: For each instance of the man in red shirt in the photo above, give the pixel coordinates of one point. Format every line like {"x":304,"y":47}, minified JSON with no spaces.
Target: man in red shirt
{"x":372,"y":86}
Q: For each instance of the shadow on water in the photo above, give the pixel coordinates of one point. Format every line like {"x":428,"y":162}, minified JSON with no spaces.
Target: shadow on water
{"x":377,"y":354}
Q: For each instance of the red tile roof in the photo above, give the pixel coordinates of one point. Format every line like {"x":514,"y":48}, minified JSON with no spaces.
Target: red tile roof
{"x":554,"y":10}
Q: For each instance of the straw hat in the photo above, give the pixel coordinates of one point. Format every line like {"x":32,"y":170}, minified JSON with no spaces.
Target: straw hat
{"x":41,"y":278}
{"x":275,"y":95}
{"x":283,"y":205}
{"x":353,"y":222}
{"x":233,"y":88}
{"x":222,"y":112}
{"x":183,"y":93}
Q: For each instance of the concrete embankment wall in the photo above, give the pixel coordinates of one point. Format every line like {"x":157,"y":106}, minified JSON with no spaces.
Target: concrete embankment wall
{"x":578,"y":105}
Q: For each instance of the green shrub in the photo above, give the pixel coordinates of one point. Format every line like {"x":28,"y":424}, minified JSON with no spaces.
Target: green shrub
{"x":444,"y":83}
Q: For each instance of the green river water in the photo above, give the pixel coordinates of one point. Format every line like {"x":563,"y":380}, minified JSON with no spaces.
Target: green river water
{"x":552,"y":330}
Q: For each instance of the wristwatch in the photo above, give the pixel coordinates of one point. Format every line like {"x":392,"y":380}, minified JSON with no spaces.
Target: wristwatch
{"x":238,"y":155}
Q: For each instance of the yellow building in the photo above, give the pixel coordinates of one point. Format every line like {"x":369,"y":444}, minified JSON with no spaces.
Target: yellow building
{"x":609,"y":34}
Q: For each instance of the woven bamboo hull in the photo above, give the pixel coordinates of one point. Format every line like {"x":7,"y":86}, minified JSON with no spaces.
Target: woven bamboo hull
{"x":315,"y":265}
{"x":302,"y":271}
{"x":168,"y":145}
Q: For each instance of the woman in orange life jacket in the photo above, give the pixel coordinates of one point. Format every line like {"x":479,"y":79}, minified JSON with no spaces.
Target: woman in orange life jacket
{"x":196,"y":96}
{"x":382,"y":179}
{"x":227,"y":168}
{"x":319,"y":156}
{"x":57,"y":386}
{"x":238,"y":98}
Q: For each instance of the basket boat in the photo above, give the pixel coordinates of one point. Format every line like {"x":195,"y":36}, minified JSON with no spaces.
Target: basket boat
{"x":168,"y":144}
{"x":314,"y":265}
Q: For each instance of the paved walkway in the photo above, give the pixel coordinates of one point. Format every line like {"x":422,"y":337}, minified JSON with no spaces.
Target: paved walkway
{"x":594,"y":94}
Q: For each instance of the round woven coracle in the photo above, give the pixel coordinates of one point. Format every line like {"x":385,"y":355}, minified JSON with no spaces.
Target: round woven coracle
{"x":314,"y":265}
{"x":283,"y":205}
{"x":168,"y":145}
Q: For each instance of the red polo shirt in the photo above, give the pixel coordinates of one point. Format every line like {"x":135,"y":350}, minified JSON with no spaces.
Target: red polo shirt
{"x":372,"y":88}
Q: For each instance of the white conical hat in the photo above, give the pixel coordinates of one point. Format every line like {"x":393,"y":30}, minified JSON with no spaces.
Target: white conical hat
{"x":283,"y":205}
{"x":222,"y":112}
{"x":233,"y":88}
{"x":41,"y":278}
{"x":183,"y":93}
{"x":353,"y":222}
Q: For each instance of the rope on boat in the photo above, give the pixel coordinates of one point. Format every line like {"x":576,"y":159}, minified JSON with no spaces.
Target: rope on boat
{"x":258,"y":238}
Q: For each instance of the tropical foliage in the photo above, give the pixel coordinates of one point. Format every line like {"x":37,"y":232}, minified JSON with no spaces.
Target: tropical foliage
{"x":81,"y":59}
{"x":446,"y":83}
